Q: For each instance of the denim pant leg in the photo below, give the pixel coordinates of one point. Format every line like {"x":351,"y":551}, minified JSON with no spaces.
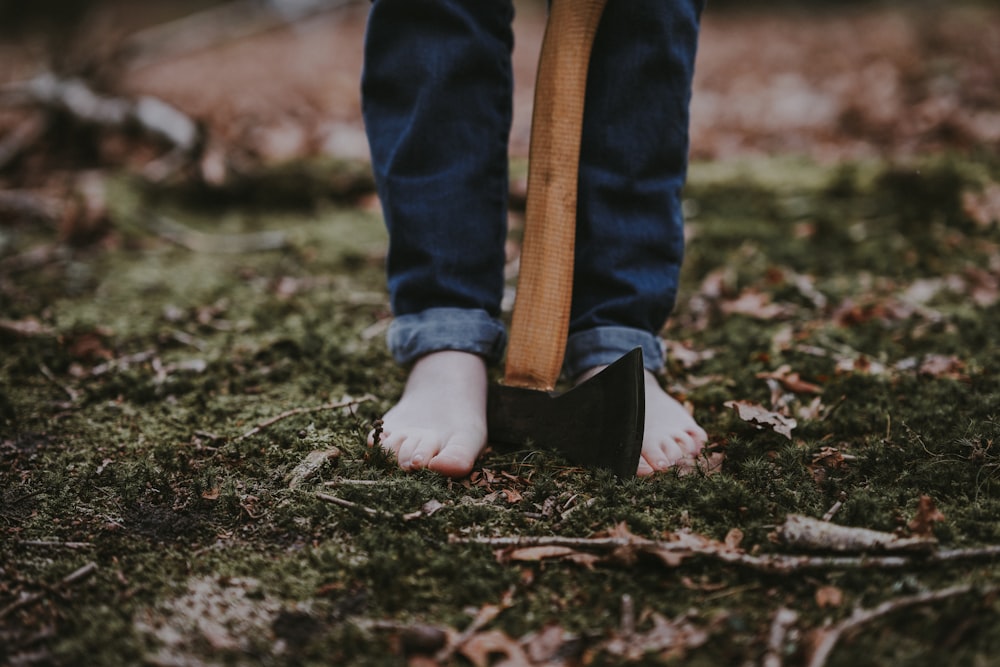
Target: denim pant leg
{"x":436,"y":100}
{"x":633,"y":164}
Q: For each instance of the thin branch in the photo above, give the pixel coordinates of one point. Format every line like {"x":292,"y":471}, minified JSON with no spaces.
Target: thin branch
{"x":350,"y":402}
{"x":70,"y":579}
{"x":73,"y":394}
{"x":674,"y":552}
{"x":220,"y":244}
{"x":56,"y":543}
{"x":831,"y":636}
{"x":334,"y":500}
{"x":783,"y":620}
{"x":216,"y":26}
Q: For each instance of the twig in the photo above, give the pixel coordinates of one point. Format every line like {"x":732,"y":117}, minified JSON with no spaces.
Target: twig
{"x":812,"y":534}
{"x":73,"y":394}
{"x":68,"y":580}
{"x":674,"y":552}
{"x":221,"y":244}
{"x":784,"y":619}
{"x":831,"y":636}
{"x":25,"y":134}
{"x":348,"y":402}
{"x":238,"y":19}
{"x":77,"y":98}
{"x":55,"y":543}
{"x":325,"y":497}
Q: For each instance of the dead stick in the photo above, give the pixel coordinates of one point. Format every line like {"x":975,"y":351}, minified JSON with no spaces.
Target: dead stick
{"x":831,"y":636}
{"x":223,"y":244}
{"x":772,"y":563}
{"x":325,"y":497}
{"x":73,"y":394}
{"x":68,"y":580}
{"x":784,"y":619}
{"x":55,"y":543}
{"x":299,"y":411}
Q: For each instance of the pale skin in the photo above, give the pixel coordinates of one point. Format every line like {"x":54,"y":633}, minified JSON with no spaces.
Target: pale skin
{"x":440,"y":421}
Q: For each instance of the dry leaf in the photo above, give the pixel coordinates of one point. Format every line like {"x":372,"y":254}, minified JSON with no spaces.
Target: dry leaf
{"x":733,"y":539}
{"x":922,"y":525}
{"x":791,"y":381}
{"x":983,"y":207}
{"x":757,"y":305}
{"x":684,"y":355}
{"x":761,"y":416}
{"x":480,"y":646}
{"x":668,"y":639}
{"x":546,"y":644}
{"x":538,"y":553}
{"x":943,"y":366}
{"x":829,"y":596}
{"x":512,"y":495}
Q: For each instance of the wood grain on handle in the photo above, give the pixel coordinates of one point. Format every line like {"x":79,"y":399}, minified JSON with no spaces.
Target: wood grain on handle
{"x":545,"y":285}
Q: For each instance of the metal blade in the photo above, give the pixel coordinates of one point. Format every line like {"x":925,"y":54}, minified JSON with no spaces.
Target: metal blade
{"x":597,"y":424}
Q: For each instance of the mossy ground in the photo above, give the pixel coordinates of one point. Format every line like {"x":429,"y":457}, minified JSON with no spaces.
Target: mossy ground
{"x":122,"y":429}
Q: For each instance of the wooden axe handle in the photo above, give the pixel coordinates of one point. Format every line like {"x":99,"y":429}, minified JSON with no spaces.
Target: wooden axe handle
{"x":545,"y":285}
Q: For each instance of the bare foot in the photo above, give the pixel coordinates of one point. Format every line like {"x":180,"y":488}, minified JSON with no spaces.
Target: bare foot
{"x":440,"y":421}
{"x":671,"y":436}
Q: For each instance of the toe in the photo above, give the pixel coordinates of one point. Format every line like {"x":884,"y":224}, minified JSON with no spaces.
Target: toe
{"x":455,"y":459}
{"x":407,"y":449}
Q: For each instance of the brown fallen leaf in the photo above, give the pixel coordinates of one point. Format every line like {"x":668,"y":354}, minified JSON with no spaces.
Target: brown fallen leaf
{"x":761,"y":416}
{"x":943,"y":366}
{"x":480,"y":646}
{"x":546,"y":644}
{"x":684,"y":355}
{"x":791,"y":381}
{"x":829,"y":596}
{"x":756,"y":305}
{"x":984,"y":206}
{"x":922,"y":525}
{"x":668,"y":639}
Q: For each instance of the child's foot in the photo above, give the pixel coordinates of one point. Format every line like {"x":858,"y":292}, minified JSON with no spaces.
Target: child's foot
{"x":671,"y":436}
{"x":440,"y":421}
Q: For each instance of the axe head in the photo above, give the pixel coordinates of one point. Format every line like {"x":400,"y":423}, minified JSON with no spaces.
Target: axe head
{"x":597,"y":424}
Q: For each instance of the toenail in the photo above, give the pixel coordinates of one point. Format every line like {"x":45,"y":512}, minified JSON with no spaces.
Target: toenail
{"x":663,"y":463}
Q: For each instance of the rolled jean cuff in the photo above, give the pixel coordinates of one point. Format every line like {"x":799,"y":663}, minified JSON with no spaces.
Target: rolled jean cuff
{"x":602,"y":346}
{"x":435,"y":329}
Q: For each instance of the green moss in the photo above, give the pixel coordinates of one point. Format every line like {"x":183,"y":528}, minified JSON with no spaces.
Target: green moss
{"x":148,"y":466}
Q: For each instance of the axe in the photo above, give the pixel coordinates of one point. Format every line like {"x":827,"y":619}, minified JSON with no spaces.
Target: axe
{"x":599,"y":423}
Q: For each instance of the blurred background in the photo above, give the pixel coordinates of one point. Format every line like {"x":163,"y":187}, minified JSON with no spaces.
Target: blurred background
{"x":210,"y":90}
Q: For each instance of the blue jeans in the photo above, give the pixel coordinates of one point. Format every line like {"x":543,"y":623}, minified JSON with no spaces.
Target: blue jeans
{"x":436,"y":96}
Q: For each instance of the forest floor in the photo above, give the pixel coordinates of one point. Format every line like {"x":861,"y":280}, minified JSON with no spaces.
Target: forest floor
{"x":192,"y":355}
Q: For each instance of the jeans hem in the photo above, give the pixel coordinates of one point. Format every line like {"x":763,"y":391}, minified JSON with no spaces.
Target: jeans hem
{"x":436,"y":329}
{"x":601,"y":346}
